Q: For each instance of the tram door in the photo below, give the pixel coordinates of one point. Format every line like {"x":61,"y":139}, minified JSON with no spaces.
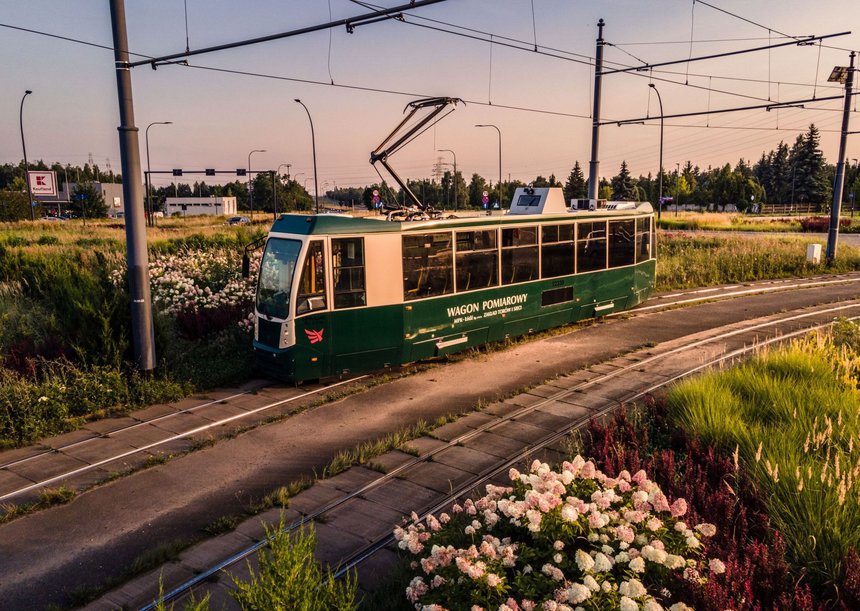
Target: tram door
{"x":312,"y":318}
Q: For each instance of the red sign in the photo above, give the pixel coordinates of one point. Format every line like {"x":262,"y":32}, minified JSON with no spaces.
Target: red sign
{"x":43,"y":183}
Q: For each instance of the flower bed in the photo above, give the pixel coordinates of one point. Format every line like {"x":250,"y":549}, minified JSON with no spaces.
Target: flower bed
{"x":559,"y":541}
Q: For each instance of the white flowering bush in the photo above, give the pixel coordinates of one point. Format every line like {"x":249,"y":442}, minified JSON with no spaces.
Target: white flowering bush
{"x":195,"y":281}
{"x":568,"y":540}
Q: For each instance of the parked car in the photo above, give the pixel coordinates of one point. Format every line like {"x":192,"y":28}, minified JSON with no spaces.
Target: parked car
{"x":238,"y":220}
{"x":53,"y":218}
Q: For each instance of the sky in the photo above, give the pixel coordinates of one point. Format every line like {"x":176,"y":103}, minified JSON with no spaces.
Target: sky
{"x":357,"y":85}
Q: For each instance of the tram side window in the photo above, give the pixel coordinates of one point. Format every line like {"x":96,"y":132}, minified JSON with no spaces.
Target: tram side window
{"x":312,"y":287}
{"x":622,"y":242}
{"x":347,"y":257}
{"x":519,"y":255}
{"x":477,"y":260}
{"x":428,"y":265}
{"x":643,"y":239}
{"x":590,"y":246}
{"x":557,"y":251}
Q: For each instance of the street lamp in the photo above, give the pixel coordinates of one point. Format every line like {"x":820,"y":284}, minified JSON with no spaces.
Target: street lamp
{"x":314,"y":149}
{"x":500,"y":158}
{"x":660,"y":181}
{"x":26,"y":165}
{"x":455,"y":173}
{"x":250,"y":190}
{"x":150,"y":216}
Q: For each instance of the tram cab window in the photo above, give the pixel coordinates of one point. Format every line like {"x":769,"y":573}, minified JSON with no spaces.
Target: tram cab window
{"x":347,"y":256}
{"x":557,"y":251}
{"x":477,"y":260}
{"x":622,"y":245}
{"x":312,"y":295}
{"x":590,"y":246}
{"x":519,"y":254}
{"x":428,"y":265}
{"x":643,"y":239}
{"x":277,"y":269}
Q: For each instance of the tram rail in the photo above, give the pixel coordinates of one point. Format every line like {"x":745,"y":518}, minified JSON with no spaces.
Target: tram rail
{"x":655,"y":304}
{"x":780,"y":327}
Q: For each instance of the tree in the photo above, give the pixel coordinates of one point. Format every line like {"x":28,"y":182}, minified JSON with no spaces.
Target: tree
{"x":809,"y":169}
{"x":87,"y":201}
{"x":623,"y":187}
{"x":477,"y":186}
{"x":576,"y":186}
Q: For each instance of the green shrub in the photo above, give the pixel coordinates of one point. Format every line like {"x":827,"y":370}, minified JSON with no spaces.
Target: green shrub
{"x":48,"y":240}
{"x":291,"y":578}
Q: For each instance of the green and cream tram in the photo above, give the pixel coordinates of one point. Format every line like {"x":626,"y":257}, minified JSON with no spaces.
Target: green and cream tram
{"x":338,"y":294}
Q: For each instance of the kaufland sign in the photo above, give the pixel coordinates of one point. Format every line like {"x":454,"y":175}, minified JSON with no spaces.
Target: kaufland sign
{"x":43,"y":183}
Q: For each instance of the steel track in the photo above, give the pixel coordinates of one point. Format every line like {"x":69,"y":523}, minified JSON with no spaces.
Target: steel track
{"x":361,"y":555}
{"x":663,"y":302}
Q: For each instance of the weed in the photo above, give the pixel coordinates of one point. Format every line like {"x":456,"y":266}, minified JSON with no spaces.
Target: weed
{"x":221,"y":525}
{"x":290,"y":577}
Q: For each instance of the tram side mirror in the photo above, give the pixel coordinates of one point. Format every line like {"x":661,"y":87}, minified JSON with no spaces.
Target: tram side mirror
{"x":246,"y":266}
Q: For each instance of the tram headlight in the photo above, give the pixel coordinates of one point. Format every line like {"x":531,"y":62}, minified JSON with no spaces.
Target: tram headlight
{"x":256,"y":328}
{"x":285,"y":335}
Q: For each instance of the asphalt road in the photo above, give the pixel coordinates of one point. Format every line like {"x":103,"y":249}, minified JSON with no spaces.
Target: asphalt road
{"x":47,"y":555}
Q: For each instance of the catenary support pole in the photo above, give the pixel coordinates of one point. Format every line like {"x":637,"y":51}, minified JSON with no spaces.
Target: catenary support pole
{"x":838,"y":183}
{"x":594,"y":164}
{"x":143,"y":339}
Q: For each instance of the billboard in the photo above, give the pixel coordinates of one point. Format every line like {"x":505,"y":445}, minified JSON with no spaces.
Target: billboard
{"x":43,"y":183}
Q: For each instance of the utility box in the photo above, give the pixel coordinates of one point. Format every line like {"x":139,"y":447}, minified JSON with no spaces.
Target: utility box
{"x":813,"y":254}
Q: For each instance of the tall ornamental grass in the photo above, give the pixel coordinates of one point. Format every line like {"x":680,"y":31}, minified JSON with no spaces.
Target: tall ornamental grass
{"x":793,"y":418}
{"x":686,"y":261}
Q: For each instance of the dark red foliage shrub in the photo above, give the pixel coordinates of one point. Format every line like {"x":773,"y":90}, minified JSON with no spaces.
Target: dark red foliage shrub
{"x":757,"y":577}
{"x":195,"y":324}
{"x":24,"y":355}
{"x":850,"y":590}
{"x":821,"y":224}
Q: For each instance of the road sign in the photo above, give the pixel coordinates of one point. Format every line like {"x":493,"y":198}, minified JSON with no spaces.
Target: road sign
{"x":43,"y":183}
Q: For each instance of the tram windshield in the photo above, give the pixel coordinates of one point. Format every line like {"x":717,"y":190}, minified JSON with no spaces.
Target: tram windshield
{"x":276,"y":277}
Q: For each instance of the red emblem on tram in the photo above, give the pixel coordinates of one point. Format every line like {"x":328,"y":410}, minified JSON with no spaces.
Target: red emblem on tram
{"x":314,"y":336}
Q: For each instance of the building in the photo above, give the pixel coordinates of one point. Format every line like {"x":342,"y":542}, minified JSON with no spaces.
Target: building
{"x":110,"y":191}
{"x":198,"y":206}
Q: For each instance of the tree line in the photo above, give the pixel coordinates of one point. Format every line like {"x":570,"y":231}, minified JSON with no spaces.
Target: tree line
{"x":785,"y":175}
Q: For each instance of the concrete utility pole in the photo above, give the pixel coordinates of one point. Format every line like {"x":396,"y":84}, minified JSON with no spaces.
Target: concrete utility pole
{"x":833,"y":232}
{"x":143,"y":338}
{"x":26,"y":164}
{"x":594,"y":164}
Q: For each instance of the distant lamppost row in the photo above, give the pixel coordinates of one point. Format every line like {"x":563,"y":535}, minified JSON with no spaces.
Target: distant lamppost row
{"x":314,"y":149}
{"x":660,"y":181}
{"x":250,"y":190}
{"x":500,"y":159}
{"x":26,"y":165}
{"x":149,"y":214}
{"x":455,"y":173}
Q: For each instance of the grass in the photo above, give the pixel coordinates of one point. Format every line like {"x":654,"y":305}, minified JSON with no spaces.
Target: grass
{"x":685,"y":261}
{"x":48,"y":497}
{"x":792,"y":417}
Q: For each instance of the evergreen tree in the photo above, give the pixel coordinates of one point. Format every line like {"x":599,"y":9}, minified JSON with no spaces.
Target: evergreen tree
{"x":623,"y":187}
{"x":576,"y":186}
{"x":87,"y":202}
{"x":809,"y":169}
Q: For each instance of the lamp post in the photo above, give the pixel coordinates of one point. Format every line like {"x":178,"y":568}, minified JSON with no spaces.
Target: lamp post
{"x":500,"y":159}
{"x":149,"y":215}
{"x":26,"y":165}
{"x":456,"y":201}
{"x":660,"y":181}
{"x":250,"y":190}
{"x":314,"y":149}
